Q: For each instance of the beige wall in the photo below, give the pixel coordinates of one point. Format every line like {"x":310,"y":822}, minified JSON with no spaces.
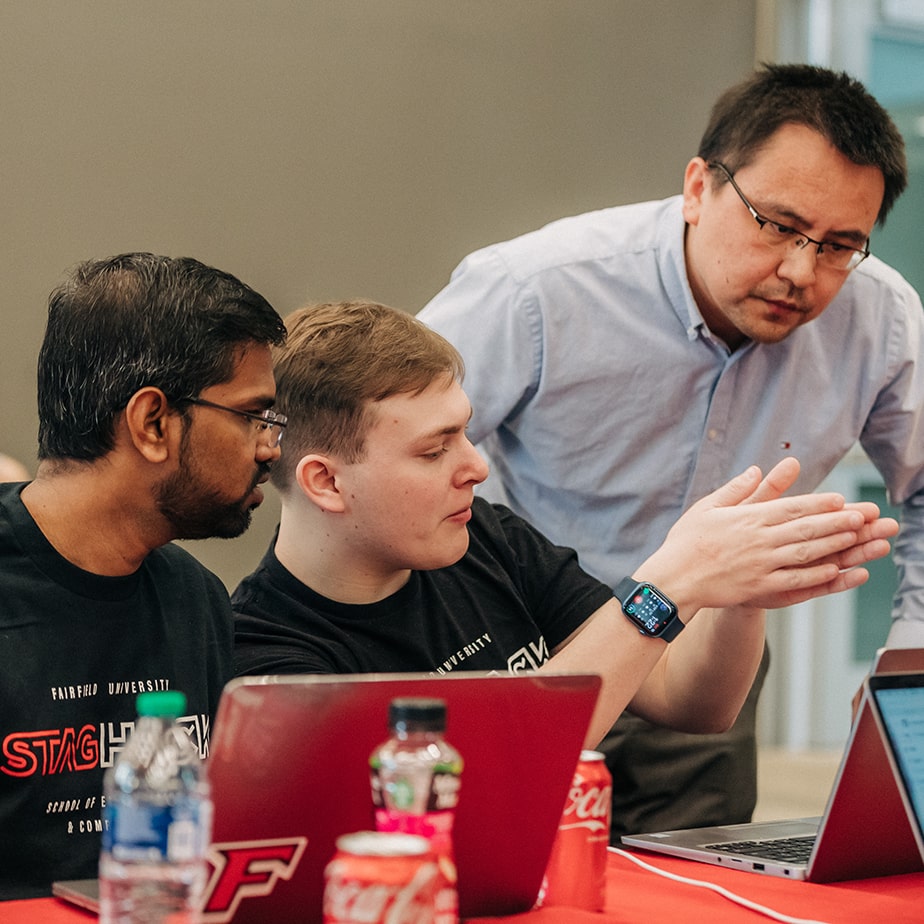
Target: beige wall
{"x":329,"y":148}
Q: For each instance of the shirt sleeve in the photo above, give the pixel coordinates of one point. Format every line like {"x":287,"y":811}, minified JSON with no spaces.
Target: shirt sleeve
{"x":494,"y":322}
{"x":894,"y":440}
{"x":908,"y":554}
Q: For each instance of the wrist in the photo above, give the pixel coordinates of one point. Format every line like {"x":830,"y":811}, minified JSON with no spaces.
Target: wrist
{"x":649,"y":609}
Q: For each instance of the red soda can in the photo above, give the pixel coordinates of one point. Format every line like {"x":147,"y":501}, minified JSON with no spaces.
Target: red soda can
{"x":576,"y":874}
{"x":378,"y":877}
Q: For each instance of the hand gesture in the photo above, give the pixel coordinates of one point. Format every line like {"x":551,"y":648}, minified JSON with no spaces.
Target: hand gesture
{"x":747,"y":544}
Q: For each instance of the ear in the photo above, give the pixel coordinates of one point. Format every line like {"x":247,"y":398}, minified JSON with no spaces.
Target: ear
{"x":695,"y":180}
{"x":318,"y":478}
{"x":149,"y":422}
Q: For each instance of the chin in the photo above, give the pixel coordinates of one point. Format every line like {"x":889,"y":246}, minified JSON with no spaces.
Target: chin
{"x":442,"y":558}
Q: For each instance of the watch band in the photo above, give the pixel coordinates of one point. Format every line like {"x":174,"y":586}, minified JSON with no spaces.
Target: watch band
{"x":643,"y":604}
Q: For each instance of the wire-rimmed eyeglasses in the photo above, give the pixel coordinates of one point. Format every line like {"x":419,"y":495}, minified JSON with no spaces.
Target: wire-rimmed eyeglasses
{"x":828,"y":253}
{"x":269,"y":424}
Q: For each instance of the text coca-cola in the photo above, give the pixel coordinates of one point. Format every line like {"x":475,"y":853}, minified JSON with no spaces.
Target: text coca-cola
{"x":576,"y":872}
{"x":380,"y":877}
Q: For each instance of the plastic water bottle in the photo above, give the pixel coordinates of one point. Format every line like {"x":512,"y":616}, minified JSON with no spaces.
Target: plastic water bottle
{"x":415,"y":777}
{"x":157,"y":821}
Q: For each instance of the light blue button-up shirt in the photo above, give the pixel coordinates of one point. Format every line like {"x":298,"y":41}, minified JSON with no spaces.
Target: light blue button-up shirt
{"x":607,"y":407}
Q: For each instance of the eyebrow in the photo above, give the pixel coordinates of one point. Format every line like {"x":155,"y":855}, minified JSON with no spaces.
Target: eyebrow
{"x":444,"y":431}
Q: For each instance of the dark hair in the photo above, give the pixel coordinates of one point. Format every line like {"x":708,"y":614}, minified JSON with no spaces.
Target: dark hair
{"x":338,"y":360}
{"x":833,"y":104}
{"x":134,"y":320}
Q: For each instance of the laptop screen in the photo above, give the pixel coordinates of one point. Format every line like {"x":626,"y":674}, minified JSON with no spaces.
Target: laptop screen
{"x":900,"y":702}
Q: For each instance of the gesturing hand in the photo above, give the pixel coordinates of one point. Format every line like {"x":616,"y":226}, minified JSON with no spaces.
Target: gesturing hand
{"x":748,"y":544}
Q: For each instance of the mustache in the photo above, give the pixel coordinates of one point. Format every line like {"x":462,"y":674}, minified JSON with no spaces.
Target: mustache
{"x":790,"y":294}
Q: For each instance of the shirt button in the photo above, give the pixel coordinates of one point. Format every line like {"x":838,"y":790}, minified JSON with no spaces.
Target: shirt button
{"x":712,"y":434}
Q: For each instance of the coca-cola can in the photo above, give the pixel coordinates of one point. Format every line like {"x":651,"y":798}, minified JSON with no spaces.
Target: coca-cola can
{"x":576,"y":874}
{"x":379,"y":877}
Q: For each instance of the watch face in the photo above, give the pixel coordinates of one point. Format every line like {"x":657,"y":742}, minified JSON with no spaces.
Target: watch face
{"x":648,"y":608}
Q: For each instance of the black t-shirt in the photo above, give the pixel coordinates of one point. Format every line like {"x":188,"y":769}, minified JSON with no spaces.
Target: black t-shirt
{"x":75,"y":650}
{"x":511,"y":599}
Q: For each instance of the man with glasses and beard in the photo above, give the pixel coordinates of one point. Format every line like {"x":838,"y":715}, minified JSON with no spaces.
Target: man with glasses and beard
{"x":155,"y":393}
{"x":623,"y":363}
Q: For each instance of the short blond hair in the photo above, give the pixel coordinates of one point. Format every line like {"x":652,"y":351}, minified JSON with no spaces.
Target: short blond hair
{"x":338,"y":360}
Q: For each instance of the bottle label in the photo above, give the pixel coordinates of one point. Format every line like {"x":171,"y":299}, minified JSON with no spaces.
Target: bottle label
{"x":402,"y":792}
{"x":156,"y":833}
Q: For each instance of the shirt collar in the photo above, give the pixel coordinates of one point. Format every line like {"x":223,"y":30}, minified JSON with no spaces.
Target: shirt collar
{"x":670,"y":235}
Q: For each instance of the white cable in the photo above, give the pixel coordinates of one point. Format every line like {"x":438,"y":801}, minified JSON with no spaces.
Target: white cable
{"x":753,"y":906}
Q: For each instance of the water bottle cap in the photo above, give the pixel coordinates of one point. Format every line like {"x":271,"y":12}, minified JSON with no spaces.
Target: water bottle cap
{"x":164,"y":703}
{"x":422,"y":711}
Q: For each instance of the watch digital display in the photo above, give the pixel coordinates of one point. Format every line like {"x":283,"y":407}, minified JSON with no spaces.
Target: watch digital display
{"x":648,"y":609}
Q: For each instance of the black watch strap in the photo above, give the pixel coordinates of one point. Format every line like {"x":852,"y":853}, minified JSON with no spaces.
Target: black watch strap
{"x":652,"y":612}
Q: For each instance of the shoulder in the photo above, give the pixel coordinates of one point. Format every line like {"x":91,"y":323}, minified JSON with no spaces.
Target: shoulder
{"x":877,"y":312}
{"x":882,"y":285}
{"x":578,"y":240}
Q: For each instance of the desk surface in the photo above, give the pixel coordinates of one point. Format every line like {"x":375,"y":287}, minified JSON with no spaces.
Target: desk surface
{"x":635,"y":894}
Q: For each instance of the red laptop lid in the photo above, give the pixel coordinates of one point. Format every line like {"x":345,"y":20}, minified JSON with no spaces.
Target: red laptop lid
{"x":289,"y":773}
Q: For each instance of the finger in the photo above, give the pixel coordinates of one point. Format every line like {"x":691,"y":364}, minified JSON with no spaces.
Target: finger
{"x":883,"y":528}
{"x":872,"y":542}
{"x":736,"y":491}
{"x":869,"y":510}
{"x":825,"y":550}
{"x":779,"y":480}
{"x":803,"y":528}
{"x":846,"y":580}
{"x":862,"y":553}
{"x":803,"y":509}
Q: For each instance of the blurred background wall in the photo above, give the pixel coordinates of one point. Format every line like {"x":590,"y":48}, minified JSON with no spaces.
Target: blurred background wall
{"x":334,"y":148}
{"x":331,"y":148}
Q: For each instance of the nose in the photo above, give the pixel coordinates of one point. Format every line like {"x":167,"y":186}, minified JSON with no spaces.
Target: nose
{"x":266,"y":452}
{"x":798,"y":264}
{"x":474,"y":468}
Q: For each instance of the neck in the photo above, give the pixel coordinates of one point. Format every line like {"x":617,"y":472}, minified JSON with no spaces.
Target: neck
{"x":89,"y":520}
{"x":715,"y":320}
{"x":310,"y":549}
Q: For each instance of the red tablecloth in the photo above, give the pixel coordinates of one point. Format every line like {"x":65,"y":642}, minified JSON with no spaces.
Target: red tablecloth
{"x":635,"y":894}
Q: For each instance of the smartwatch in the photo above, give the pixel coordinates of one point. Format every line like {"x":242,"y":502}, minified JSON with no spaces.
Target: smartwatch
{"x":649,"y":610}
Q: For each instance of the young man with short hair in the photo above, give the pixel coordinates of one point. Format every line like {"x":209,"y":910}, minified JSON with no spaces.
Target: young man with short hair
{"x":386,"y":562}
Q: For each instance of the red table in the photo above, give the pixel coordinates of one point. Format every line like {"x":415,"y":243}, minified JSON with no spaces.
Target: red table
{"x":638,"y":895}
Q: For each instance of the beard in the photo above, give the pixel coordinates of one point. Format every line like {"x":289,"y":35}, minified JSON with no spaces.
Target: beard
{"x":197,"y":510}
{"x":197,"y":514}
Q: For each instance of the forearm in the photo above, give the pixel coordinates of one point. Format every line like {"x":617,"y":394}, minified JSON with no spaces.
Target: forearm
{"x":908,"y":554}
{"x":696,"y":684}
{"x":703,"y":678}
{"x":608,"y":645}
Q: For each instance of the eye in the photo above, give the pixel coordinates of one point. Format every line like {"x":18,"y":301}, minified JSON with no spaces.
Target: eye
{"x":780,"y":230}
{"x":433,"y":456}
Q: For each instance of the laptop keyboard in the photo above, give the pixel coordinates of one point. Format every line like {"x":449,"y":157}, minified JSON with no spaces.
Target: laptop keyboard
{"x":788,"y":849}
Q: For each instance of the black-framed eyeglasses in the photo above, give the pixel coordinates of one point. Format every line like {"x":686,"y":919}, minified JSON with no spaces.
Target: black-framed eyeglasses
{"x":269,"y":424}
{"x":828,"y":253}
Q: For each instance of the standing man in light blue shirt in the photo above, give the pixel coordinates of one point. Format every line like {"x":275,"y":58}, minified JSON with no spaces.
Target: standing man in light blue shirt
{"x":624,"y":363}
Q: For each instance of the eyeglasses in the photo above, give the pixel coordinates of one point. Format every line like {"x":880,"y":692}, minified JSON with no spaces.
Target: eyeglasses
{"x":835,"y":256}
{"x":269,"y":424}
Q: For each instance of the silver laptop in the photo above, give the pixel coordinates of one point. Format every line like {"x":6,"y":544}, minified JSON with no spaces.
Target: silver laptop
{"x":865,"y":830}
